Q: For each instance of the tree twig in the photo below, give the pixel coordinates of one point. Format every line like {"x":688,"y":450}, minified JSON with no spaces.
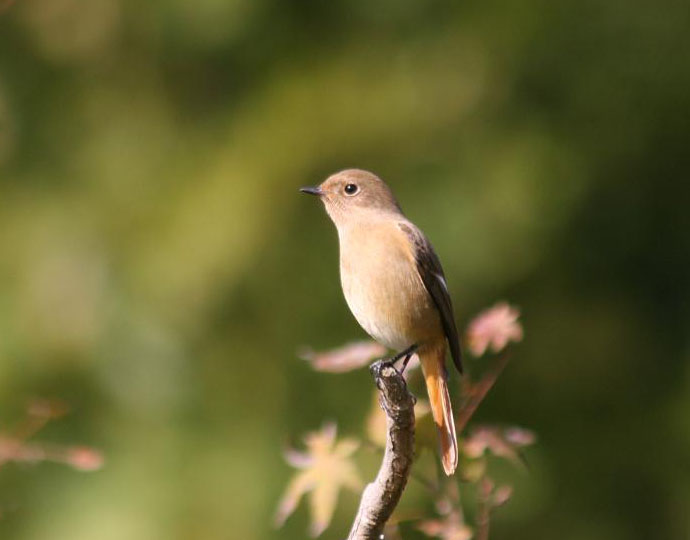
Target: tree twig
{"x":477,"y":392}
{"x":382,"y":496}
{"x":484,"y":510}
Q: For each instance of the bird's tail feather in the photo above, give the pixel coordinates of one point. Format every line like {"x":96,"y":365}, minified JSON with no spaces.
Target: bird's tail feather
{"x":436,"y":384}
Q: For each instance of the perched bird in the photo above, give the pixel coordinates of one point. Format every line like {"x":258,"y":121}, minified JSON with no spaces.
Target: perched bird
{"x":394,"y":285}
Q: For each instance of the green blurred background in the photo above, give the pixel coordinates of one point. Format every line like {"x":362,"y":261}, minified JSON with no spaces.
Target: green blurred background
{"x":158,"y":268}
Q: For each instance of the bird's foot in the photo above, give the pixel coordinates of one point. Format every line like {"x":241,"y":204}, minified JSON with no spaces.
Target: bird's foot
{"x":405,"y":356}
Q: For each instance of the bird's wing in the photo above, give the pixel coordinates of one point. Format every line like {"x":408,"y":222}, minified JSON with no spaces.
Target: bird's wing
{"x":429,"y":268}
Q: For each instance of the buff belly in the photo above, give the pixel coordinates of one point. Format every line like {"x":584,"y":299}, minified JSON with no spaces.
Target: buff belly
{"x":387,"y":297}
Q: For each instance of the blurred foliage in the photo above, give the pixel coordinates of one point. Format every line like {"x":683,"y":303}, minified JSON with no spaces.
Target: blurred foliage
{"x":327,"y":465}
{"x":158,"y":269}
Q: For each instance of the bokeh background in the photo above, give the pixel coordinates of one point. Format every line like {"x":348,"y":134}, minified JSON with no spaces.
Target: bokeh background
{"x":158,"y":268}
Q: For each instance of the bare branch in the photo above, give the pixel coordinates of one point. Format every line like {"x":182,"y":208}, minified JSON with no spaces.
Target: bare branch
{"x":478,"y":391}
{"x":382,"y":496}
{"x":484,"y":511}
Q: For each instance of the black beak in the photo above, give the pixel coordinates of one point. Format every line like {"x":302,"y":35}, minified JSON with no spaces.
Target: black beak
{"x":312,"y":190}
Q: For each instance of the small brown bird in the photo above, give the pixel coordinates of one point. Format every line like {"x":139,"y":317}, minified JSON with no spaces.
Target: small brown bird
{"x":394,"y":285}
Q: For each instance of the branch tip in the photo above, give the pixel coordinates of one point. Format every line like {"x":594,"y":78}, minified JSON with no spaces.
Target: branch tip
{"x":382,"y":496}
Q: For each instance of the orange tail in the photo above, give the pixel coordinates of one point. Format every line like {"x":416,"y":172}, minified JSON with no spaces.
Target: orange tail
{"x":433,"y":361}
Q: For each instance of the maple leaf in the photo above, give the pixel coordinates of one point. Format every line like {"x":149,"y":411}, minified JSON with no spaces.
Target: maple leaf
{"x":325,"y":468}
{"x":504,"y":443}
{"x":450,"y":527}
{"x":346,"y":358}
{"x":494,"y":328}
{"x":14,"y":447}
{"x":501,"y":495}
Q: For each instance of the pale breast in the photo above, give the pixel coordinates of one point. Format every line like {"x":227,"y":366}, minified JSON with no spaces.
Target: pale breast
{"x":382,"y":286}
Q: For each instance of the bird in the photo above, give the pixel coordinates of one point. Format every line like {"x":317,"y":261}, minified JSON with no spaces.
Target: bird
{"x":395,"y":286}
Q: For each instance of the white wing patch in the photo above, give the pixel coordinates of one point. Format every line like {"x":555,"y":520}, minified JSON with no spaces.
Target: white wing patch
{"x":443,"y":282}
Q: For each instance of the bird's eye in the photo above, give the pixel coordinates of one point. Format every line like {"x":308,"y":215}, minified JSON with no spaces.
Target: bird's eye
{"x":351,"y":189}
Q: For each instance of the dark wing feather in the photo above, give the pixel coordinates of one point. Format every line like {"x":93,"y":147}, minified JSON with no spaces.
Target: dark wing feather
{"x":429,"y":268}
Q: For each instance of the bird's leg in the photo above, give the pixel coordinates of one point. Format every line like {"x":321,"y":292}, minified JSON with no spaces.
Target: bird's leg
{"x":406,"y":354}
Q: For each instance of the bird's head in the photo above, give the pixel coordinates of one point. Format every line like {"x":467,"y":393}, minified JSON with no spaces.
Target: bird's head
{"x":354,"y":195}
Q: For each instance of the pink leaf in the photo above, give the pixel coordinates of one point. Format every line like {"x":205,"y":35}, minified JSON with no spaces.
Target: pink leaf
{"x":493,"y":329}
{"x":83,"y":458}
{"x":347,"y":358}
